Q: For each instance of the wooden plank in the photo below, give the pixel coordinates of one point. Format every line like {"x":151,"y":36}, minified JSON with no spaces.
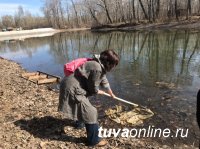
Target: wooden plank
{"x":37,"y":77}
{"x":34,"y":81}
{"x":43,"y":81}
{"x":41,"y":77}
{"x":29,"y":74}
{"x":49,"y":74}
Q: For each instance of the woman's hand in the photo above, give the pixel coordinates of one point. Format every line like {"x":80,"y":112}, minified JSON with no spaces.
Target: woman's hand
{"x":111,"y":93}
{"x":100,"y":92}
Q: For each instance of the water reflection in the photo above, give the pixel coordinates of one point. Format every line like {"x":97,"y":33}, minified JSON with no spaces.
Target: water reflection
{"x":146,"y":58}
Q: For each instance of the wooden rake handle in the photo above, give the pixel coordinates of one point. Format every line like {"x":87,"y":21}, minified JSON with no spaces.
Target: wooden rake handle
{"x":136,"y":105}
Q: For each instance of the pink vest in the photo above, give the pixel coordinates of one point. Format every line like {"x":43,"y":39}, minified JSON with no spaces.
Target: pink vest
{"x":70,"y":67}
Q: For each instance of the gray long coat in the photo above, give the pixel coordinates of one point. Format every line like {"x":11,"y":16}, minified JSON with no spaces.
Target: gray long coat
{"x":75,"y":89}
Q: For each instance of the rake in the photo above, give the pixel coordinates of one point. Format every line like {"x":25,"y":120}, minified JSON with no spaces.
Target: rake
{"x":122,"y":100}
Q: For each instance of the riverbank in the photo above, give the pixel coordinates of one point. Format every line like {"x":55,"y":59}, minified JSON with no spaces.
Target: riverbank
{"x":23,"y":34}
{"x":184,"y":24}
{"x":42,"y":32}
{"x":29,"y":117}
{"x":29,"y":32}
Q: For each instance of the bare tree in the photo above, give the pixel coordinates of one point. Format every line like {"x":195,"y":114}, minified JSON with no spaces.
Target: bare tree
{"x":157,"y":8}
{"x":47,"y":15}
{"x":199,"y":7}
{"x":1,"y":25}
{"x":92,"y":11}
{"x":105,"y":7}
{"x":62,"y":20}
{"x":170,"y":9}
{"x":133,"y":9}
{"x":176,"y":10}
{"x":143,"y":9}
{"x":68,"y":15}
{"x":7,"y":21}
{"x":81,"y":13}
{"x":19,"y":17}
{"x":53,"y":11}
{"x":189,"y":8}
{"x":76,"y":14}
{"x":121,"y":11}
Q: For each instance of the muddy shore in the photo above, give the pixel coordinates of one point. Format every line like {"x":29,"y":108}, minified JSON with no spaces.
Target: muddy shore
{"x":174,"y":25}
{"x":29,"y":117}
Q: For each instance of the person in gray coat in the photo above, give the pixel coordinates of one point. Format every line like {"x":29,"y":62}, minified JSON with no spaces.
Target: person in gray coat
{"x":84,"y":82}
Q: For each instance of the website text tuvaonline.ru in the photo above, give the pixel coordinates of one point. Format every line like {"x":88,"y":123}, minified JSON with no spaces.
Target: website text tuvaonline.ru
{"x":151,"y":131}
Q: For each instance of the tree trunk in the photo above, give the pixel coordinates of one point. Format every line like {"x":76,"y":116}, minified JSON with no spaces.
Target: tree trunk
{"x":170,"y":10}
{"x":142,"y":6}
{"x":153,"y":5}
{"x":157,"y":8}
{"x":199,"y":7}
{"x":149,"y":10}
{"x":68,"y":16}
{"x":106,"y":9}
{"x":93,"y":15}
{"x":176,"y":10}
{"x":77,"y":23}
{"x":92,"y":12}
{"x":61,"y":15}
{"x":189,"y":8}
{"x":133,"y":9}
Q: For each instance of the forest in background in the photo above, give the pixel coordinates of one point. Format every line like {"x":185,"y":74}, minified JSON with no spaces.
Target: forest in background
{"x":64,"y":14}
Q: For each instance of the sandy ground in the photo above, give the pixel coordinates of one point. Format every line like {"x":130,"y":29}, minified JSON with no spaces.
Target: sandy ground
{"x":33,"y":31}
{"x":20,"y":35}
{"x":42,"y":32}
{"x":29,"y":117}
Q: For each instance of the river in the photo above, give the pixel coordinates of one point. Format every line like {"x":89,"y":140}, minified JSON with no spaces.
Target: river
{"x":157,"y":69}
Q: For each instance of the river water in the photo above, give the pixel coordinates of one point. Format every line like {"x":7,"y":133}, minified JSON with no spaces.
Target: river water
{"x":157,"y":69}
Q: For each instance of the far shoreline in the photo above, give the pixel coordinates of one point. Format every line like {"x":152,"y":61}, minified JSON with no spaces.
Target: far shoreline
{"x":184,"y":25}
{"x":124,"y":27}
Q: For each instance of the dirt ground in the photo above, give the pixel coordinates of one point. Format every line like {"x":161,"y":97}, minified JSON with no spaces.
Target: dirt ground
{"x":29,"y":117}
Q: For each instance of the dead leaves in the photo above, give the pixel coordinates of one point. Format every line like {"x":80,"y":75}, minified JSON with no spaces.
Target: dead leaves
{"x":166,"y":85}
{"x":135,"y":116}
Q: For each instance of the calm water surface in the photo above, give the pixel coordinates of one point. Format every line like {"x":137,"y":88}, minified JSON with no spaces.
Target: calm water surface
{"x":146,"y":58}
